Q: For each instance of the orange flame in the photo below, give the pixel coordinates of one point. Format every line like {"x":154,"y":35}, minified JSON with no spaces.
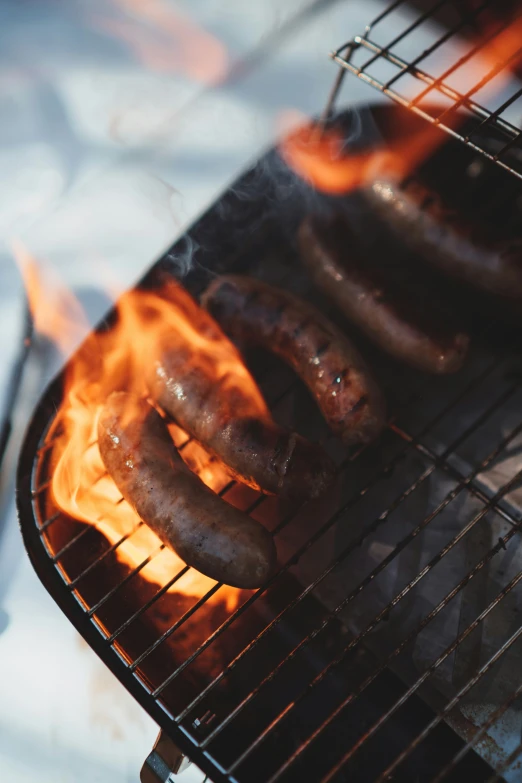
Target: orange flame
{"x":503,"y":47}
{"x":166,"y":41}
{"x":322,"y":161}
{"x":118,"y":358}
{"x":319,"y":156}
{"x":56,"y":313}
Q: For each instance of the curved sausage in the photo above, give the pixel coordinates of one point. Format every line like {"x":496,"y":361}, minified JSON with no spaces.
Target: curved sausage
{"x":320,"y":354}
{"x":205,"y":387}
{"x":420,"y":219}
{"x":205,"y":531}
{"x":393,"y":306}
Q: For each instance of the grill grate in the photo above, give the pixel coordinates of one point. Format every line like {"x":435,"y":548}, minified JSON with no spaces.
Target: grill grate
{"x":440,"y":75}
{"x":299,"y":680}
{"x":466,"y":481}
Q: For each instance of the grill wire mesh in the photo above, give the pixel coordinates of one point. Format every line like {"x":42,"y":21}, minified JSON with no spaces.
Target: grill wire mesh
{"x":473,"y":401}
{"x":428,"y":62}
{"x":437,"y":502}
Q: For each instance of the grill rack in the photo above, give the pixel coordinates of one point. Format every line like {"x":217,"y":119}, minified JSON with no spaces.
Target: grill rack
{"x":183,"y":727}
{"x":408,"y":79}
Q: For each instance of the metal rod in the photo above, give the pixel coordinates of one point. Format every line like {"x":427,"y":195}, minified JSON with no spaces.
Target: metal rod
{"x":488,"y":118}
{"x":148,"y":604}
{"x":386,"y":611}
{"x":406,"y":32}
{"x":450,"y":33}
{"x":463,"y":691}
{"x":445,"y":89}
{"x":72,"y":584}
{"x":480,"y":733}
{"x":175,"y":627}
{"x":332,"y":98}
{"x":92,"y":611}
{"x":134,"y":665}
{"x":372,"y":24}
{"x":411,"y":637}
{"x":482,"y":82}
{"x":293,"y":603}
{"x":513,"y":756}
{"x":511,"y":143}
{"x":49,"y":521}
{"x":471,"y":486}
{"x":425,"y":675}
{"x":351,"y":547}
{"x":304,"y":548}
{"x":494,"y":116}
{"x":72,"y":542}
{"x":362,"y":635}
{"x":500,"y":123}
{"x":462,"y":60}
{"x":399,"y":547}
{"x":46,"y":446}
{"x":41,"y":488}
{"x":482,"y":376}
{"x":387,"y":11}
{"x":104,"y":554}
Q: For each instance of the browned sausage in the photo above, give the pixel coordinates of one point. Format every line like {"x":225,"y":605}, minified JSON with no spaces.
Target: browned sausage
{"x":205,"y":531}
{"x":205,"y":386}
{"x":461,"y":249}
{"x":393,"y":305}
{"x":321,"y":355}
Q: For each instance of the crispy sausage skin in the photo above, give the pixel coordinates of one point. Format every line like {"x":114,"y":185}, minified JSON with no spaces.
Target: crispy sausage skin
{"x":320,"y":354}
{"x":205,"y":531}
{"x":254,"y":447}
{"x":395,"y":307}
{"x":420,"y":219}
{"x":211,"y":394}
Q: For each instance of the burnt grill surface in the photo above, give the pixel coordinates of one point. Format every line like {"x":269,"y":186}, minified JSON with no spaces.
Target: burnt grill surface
{"x":323,"y":674}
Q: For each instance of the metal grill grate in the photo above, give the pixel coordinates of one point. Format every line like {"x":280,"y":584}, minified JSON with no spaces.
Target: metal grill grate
{"x":465,"y":482}
{"x":438,"y":73}
{"x":322,"y":674}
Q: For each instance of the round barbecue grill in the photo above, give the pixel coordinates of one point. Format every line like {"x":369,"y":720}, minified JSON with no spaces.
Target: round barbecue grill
{"x":386,"y":645}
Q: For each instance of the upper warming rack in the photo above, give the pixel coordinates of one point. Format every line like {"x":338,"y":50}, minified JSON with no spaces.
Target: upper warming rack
{"x":454,"y":64}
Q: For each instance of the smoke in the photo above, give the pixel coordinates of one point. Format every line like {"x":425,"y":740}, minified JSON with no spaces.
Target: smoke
{"x":182,"y":257}
{"x":268,"y":198}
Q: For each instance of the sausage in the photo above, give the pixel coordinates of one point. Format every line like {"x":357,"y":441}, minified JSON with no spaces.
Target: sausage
{"x":393,"y":305}
{"x":457,"y":247}
{"x":206,"y":388}
{"x":205,"y":531}
{"x":320,"y":354}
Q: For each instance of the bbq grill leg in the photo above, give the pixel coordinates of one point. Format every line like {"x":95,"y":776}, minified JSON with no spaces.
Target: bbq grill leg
{"x":164,"y":760}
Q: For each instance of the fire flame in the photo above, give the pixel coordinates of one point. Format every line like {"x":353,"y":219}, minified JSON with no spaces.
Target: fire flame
{"x":117,"y":358}
{"x":164,"y":40}
{"x":321,"y":160}
{"x":319,"y":156}
{"x":56,"y":313}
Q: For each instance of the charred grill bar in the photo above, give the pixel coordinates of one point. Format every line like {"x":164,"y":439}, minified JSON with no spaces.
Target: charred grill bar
{"x":383,"y":648}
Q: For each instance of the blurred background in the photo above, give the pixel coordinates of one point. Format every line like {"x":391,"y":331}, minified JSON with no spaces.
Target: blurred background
{"x":121,"y":121}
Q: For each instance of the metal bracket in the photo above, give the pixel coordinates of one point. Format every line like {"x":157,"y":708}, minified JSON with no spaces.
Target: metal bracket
{"x":164,"y":760}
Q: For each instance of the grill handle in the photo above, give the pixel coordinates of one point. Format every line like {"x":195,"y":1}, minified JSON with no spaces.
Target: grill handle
{"x":164,"y":760}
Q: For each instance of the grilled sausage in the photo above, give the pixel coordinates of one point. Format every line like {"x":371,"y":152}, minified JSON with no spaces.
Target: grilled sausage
{"x":205,"y":531}
{"x":320,"y":354}
{"x":394,"y":306}
{"x":445,"y":239}
{"x":211,"y":394}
